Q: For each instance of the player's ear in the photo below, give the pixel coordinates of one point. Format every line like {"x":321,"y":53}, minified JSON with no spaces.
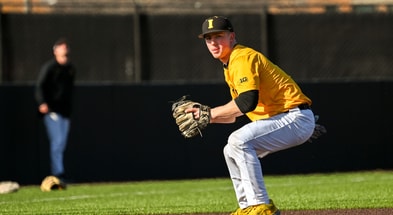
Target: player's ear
{"x":232,"y":36}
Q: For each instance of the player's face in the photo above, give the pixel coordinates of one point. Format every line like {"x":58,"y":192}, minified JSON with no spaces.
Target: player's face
{"x":220,"y":45}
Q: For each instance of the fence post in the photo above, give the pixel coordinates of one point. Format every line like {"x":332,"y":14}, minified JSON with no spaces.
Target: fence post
{"x":137,"y":44}
{"x":264,"y":33}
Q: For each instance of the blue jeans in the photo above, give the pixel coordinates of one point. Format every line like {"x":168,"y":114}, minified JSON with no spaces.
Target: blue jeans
{"x":57,"y":127}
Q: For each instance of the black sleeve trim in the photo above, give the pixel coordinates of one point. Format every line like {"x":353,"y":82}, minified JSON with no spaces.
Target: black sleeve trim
{"x":247,"y":101}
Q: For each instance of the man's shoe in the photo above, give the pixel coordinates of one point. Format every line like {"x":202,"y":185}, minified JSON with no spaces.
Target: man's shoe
{"x":239,"y":211}
{"x":263,"y":209}
{"x":244,"y":211}
{"x":274,"y":210}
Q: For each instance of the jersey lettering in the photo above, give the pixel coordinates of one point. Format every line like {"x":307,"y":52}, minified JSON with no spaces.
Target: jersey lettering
{"x":244,"y":79}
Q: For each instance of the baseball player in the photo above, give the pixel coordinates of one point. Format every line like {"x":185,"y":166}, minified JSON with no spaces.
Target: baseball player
{"x":279,"y":111}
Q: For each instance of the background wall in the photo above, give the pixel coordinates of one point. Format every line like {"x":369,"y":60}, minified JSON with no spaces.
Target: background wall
{"x":131,"y":66}
{"x":126,"y":132}
{"x":106,"y":48}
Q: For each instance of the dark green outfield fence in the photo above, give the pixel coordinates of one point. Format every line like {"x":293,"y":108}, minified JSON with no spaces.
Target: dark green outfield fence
{"x":126,"y":132}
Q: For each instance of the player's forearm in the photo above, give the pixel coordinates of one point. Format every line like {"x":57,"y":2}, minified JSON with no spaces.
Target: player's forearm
{"x":223,"y":120}
{"x":226,"y":113}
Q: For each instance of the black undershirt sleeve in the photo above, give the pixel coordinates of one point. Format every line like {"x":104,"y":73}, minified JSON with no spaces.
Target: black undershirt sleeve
{"x":247,"y":101}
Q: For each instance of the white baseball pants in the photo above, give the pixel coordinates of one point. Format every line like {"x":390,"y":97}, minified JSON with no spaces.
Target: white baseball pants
{"x":258,"y":139}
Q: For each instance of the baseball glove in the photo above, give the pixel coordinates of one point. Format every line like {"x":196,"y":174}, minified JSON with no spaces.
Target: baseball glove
{"x":52,"y":183}
{"x":190,"y":126}
{"x":319,"y":130}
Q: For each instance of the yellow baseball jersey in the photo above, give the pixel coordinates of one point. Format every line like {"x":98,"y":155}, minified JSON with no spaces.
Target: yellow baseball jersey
{"x":251,"y":70}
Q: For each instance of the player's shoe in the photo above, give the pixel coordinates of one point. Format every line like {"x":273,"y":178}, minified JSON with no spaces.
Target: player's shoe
{"x":262,"y":209}
{"x":239,"y":211}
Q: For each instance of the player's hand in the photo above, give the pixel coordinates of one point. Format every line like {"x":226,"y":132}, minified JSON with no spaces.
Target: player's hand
{"x":195,"y":112}
{"x":190,"y":116}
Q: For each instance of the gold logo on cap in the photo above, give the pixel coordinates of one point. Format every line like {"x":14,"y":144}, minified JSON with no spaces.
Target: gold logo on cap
{"x":210,"y":24}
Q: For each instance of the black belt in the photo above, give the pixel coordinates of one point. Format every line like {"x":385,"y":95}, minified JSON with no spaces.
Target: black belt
{"x":304,"y":106}
{"x":301,"y":107}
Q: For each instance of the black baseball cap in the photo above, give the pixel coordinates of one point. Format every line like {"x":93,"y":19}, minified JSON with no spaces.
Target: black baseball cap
{"x":215,"y":24}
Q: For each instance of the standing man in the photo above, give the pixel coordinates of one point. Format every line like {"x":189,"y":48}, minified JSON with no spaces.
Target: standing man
{"x":280,"y":114}
{"x":54,"y":96}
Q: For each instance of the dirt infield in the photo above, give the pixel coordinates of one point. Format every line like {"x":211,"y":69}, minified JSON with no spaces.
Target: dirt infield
{"x":382,"y":211}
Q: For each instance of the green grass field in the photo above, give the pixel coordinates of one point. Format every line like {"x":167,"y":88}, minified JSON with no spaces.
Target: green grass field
{"x":372,"y":189}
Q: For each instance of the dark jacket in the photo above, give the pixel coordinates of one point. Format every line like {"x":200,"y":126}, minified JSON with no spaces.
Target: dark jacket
{"x":55,"y":87}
